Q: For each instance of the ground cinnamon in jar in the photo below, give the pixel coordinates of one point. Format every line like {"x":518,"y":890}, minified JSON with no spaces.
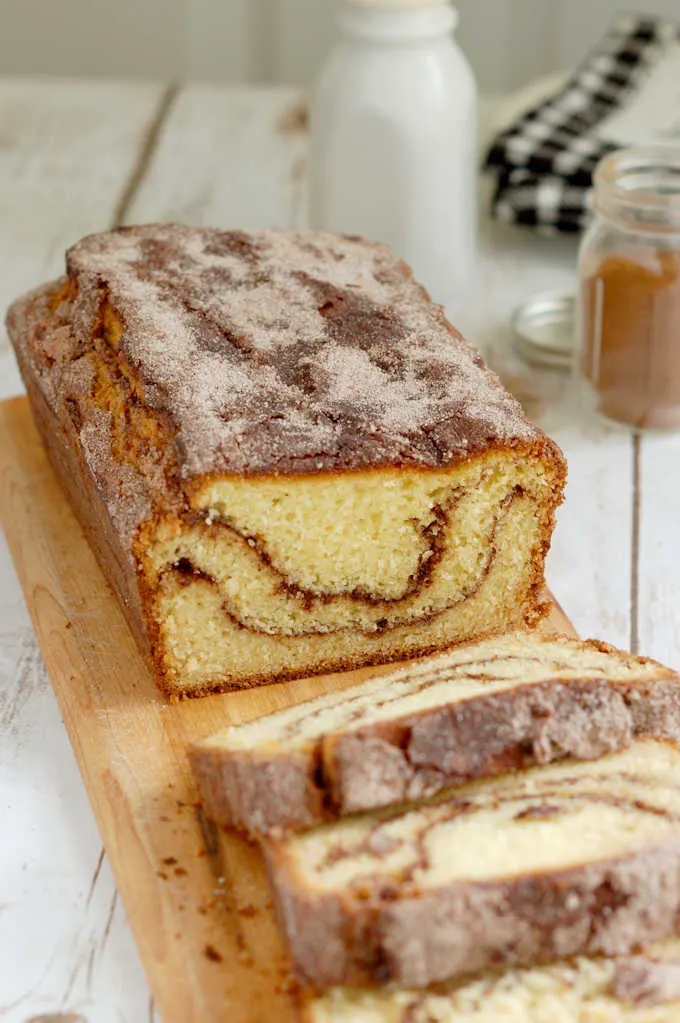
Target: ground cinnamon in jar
{"x":629,"y":266}
{"x":630,"y":331}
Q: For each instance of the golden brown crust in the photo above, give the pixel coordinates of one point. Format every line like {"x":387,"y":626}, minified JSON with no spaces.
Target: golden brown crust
{"x":287,"y":324}
{"x":73,"y":475}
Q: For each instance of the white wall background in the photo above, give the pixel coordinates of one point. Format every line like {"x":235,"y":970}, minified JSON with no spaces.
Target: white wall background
{"x":509,"y":42}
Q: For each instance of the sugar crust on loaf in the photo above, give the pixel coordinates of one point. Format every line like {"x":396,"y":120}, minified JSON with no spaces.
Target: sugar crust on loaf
{"x":293,"y":351}
{"x":285,"y":458}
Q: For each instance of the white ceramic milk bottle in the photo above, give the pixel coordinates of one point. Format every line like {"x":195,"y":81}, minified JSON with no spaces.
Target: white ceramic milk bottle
{"x":393,"y":153}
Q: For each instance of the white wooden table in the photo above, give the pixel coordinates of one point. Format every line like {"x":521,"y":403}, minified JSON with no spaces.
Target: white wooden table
{"x":81,"y":156}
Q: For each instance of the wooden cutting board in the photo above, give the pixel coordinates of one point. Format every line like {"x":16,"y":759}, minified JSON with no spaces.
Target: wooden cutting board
{"x":198,"y":902}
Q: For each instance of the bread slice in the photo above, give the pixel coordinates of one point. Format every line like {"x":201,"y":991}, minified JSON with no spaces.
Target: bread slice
{"x":479,"y":710}
{"x":575,"y":858}
{"x":641,"y":988}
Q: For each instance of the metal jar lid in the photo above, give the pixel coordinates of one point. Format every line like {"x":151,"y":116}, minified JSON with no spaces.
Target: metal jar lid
{"x":545,"y":329}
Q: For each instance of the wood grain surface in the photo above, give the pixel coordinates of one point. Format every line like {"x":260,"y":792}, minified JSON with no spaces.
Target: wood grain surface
{"x":198,"y":903}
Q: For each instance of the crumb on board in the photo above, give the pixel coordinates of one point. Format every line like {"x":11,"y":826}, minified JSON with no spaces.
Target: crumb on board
{"x":288,"y":986}
{"x":211,"y":953}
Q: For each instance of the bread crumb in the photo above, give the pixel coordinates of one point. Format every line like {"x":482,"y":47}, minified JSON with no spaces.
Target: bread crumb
{"x":289,"y":986}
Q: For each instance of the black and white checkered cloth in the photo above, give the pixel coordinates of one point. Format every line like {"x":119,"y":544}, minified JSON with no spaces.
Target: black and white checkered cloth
{"x":544,"y":162}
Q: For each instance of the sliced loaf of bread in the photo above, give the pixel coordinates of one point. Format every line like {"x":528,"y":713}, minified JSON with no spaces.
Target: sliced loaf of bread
{"x":476,"y":711}
{"x":575,"y":858}
{"x":640,"y":988}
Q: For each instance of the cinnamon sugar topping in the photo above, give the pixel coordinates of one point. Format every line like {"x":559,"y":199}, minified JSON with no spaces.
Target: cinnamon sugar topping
{"x":288,"y":351}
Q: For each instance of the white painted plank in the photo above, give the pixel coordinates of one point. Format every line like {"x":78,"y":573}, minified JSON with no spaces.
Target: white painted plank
{"x":67,"y":151}
{"x":62,"y":948}
{"x":589,"y":567}
{"x":658,"y":599}
{"x":226,"y":158}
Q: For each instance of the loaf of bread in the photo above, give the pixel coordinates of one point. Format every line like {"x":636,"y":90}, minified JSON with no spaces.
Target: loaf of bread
{"x":576,"y":858}
{"x":639,"y":988}
{"x":285,"y":458}
{"x":476,"y":711}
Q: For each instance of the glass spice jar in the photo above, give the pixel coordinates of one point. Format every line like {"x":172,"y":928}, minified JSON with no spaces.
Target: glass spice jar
{"x":629,"y":310}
